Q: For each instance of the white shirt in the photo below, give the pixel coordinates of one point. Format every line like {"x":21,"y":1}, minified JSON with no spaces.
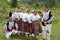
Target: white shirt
{"x":15,"y":15}
{"x":46,"y":15}
{"x":29,"y":17}
{"x":11,"y":24}
{"x":35,"y":17}
{"x":23,"y":16}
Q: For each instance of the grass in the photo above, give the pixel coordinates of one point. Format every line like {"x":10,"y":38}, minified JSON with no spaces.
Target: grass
{"x":55,"y":35}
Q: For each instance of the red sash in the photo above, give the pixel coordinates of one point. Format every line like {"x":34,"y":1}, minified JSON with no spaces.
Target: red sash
{"x":12,"y":28}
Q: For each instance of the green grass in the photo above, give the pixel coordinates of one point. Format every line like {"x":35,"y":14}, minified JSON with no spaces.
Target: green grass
{"x":55,"y":35}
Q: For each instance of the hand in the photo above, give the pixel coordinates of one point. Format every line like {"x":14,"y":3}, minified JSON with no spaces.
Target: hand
{"x":10,"y":28}
{"x":49,"y":21}
{"x":45,"y":23}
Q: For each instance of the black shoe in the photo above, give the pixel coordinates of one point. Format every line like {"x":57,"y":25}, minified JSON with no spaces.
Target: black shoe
{"x":47,"y":31}
{"x":23,"y":34}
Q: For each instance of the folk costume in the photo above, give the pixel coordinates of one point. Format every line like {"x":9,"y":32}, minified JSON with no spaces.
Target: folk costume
{"x":29,"y":23}
{"x":15,"y":17}
{"x":23,"y":22}
{"x":47,"y":18}
{"x":10,"y":28}
{"x":35,"y":24}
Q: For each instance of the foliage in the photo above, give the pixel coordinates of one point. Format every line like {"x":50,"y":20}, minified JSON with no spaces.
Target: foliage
{"x":5,"y":8}
{"x":51,"y":3}
{"x":14,"y":3}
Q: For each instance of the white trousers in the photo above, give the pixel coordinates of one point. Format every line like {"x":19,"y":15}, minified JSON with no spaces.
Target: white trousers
{"x":46,"y":31}
{"x":8,"y":34}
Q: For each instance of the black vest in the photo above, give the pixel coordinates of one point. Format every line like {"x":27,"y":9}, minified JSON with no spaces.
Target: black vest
{"x":50,"y":15}
{"x":8,"y":26}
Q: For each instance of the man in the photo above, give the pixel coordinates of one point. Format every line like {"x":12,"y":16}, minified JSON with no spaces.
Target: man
{"x":15,"y":17}
{"x":10,"y":27}
{"x":47,"y":19}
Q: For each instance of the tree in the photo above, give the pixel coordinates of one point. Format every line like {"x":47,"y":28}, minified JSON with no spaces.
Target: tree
{"x":14,"y":3}
{"x":51,"y":3}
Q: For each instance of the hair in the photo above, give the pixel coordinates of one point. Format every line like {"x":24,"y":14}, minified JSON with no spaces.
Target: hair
{"x":10,"y":14}
{"x":28,"y":9}
{"x":45,"y":5}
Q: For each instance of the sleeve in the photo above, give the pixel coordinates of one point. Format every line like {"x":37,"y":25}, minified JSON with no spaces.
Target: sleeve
{"x":12,"y":16}
{"x":31,"y":17}
{"x":20,"y":15}
{"x":51,"y":18}
{"x":5,"y":27}
{"x":16,"y":25}
{"x":24,"y":18}
{"x":29,"y":20}
{"x":50,"y":15}
{"x":38,"y":16}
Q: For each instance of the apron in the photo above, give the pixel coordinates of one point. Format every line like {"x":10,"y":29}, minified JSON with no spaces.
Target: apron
{"x":35,"y":27}
{"x":12,"y":28}
{"x":25,"y":26}
{"x":29,"y":27}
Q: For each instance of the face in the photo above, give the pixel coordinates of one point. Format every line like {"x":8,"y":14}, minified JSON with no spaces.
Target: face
{"x":15,"y":9}
{"x":35,"y":12}
{"x":28,"y":10}
{"x":44,"y":9}
{"x":22,"y":10}
{"x":10,"y":19}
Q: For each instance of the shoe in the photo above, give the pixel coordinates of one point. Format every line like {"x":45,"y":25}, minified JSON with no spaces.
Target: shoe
{"x":7,"y":37}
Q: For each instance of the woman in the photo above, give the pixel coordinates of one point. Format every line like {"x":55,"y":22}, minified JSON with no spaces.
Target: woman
{"x":35,"y":24}
{"x":47,"y":20}
{"x":28,"y":28}
{"x":23,"y":21}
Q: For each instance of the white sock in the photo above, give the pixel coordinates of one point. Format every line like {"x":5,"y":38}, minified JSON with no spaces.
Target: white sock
{"x":7,"y":36}
{"x":33,"y":35}
{"x":15,"y":31}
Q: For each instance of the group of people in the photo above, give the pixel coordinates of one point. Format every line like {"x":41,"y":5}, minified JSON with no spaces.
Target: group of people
{"x":28,"y":23}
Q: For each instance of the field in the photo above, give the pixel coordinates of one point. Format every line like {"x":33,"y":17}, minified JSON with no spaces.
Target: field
{"x":55,"y":35}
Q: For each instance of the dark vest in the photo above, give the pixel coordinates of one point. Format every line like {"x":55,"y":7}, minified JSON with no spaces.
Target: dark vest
{"x":50,"y":15}
{"x":8,"y":26}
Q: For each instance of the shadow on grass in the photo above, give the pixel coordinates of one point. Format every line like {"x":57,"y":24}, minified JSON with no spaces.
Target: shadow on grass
{"x":19,"y":37}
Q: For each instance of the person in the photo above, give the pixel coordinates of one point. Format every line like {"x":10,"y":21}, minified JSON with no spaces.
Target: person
{"x":14,"y":14}
{"x":29,"y":14}
{"x":47,"y":19}
{"x":23,"y":21}
{"x":14,"y":11}
{"x":35,"y":24}
{"x":10,"y":28}
{"x":15,"y":17}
